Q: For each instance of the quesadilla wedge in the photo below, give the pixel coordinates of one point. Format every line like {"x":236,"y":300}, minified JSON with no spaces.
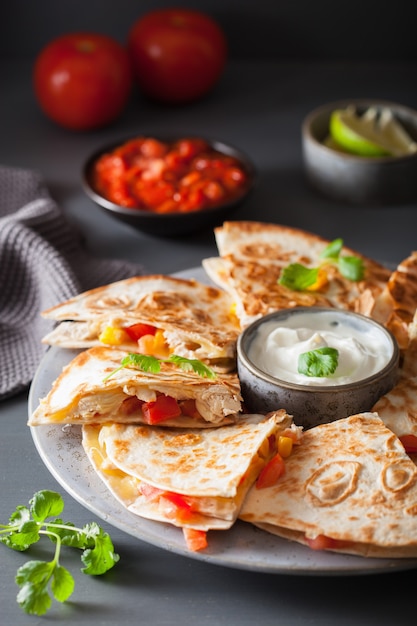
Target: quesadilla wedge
{"x":253,"y":257}
{"x":348,"y":487}
{"x":398,"y":407}
{"x":398,"y":410}
{"x":396,"y":306}
{"x":193,"y":478}
{"x":155,"y":314}
{"x":95,"y":388}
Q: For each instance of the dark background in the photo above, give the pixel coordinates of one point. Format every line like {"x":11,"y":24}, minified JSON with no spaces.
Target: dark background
{"x":366,"y":30}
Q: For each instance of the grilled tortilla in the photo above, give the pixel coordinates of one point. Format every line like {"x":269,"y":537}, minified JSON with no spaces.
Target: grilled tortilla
{"x":398,"y":407}
{"x":396,"y":306}
{"x":195,"y":320}
{"x":349,"y":483}
{"x":82,"y":393}
{"x":253,"y":256}
{"x":146,"y":468}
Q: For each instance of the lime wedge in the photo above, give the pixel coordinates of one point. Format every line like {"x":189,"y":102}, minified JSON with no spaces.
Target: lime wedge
{"x":374,"y":133}
{"x":356,"y":134}
{"x":395,"y":134}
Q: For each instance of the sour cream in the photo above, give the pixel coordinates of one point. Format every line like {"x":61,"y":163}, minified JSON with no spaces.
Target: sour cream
{"x":363,"y":349}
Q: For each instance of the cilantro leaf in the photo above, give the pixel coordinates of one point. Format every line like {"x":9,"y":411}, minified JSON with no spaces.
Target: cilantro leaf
{"x":20,"y":540}
{"x":33,"y":577}
{"x":192,"y":365}
{"x":102,"y":557}
{"x":318,"y":363}
{"x":351,"y":267}
{"x":333,"y":249}
{"x":46,"y":504}
{"x":298,"y":277}
{"x":148,"y":363}
{"x":62,"y":584}
{"x":145,"y":362}
{"x":27,"y":525}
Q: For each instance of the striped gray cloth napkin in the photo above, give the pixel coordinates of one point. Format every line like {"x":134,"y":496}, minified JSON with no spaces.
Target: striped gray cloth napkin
{"x":42,"y":262}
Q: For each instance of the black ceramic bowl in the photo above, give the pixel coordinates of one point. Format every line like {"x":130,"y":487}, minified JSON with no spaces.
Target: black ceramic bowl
{"x":176,"y":223}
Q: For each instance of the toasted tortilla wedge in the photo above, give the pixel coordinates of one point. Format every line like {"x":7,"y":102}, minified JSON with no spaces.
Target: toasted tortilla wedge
{"x":82,"y":393}
{"x":350,"y":481}
{"x":398,"y":408}
{"x":196,"y":320}
{"x":211,"y":470}
{"x":396,"y":306}
{"x":253,"y":256}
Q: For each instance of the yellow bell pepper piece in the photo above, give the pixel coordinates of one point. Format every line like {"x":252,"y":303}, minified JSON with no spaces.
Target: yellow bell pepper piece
{"x":321,"y":281}
{"x":285,"y":445}
{"x":114,"y":336}
{"x":154,"y":345}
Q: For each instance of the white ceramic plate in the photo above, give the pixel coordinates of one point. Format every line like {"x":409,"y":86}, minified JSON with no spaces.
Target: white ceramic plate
{"x":242,"y":547}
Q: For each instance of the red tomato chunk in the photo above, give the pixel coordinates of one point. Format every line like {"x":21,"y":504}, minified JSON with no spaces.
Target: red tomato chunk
{"x":186,"y":175}
{"x":163,"y":408}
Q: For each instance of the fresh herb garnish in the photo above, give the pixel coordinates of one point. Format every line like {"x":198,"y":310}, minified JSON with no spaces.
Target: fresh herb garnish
{"x":148,"y":363}
{"x":36,"y":578}
{"x":319,"y":363}
{"x":333,"y":249}
{"x":298,"y":277}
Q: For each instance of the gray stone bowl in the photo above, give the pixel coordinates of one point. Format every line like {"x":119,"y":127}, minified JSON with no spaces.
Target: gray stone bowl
{"x":311,"y":405}
{"x":357,"y":179}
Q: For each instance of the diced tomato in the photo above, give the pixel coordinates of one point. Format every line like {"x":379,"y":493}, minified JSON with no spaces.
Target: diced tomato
{"x":150,"y":492}
{"x":188,"y":408}
{"x":213,"y":191}
{"x":272,"y":471}
{"x":272,"y":443}
{"x":322,"y":542}
{"x":195,"y":539}
{"x":136,"y":331}
{"x":189,"y":148}
{"x":160,"y":410}
{"x":175,"y":506}
{"x":152,"y":148}
{"x":190,"y":178}
{"x":234,"y":177}
{"x":153,"y":193}
{"x":130,"y":405}
{"x":409,"y":442}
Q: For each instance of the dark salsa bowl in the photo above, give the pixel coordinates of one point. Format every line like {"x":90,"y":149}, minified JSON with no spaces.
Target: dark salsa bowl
{"x":168,"y":186}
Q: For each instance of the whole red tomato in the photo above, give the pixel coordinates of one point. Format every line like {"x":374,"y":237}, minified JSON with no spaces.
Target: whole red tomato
{"x":177,"y":54}
{"x":83,"y":80}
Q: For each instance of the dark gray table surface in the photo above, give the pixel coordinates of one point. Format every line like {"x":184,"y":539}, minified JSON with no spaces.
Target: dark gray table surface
{"x":259,"y":107}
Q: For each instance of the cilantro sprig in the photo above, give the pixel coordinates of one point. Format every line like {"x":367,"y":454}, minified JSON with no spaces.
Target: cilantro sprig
{"x":37,"y":579}
{"x":318,"y":363}
{"x":298,"y":277}
{"x":148,"y":363}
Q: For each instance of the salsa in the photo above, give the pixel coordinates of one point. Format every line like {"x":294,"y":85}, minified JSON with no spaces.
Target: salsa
{"x":168,"y":177}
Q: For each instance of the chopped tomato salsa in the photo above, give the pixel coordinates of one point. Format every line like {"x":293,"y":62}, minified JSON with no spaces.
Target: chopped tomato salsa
{"x":186,"y":175}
